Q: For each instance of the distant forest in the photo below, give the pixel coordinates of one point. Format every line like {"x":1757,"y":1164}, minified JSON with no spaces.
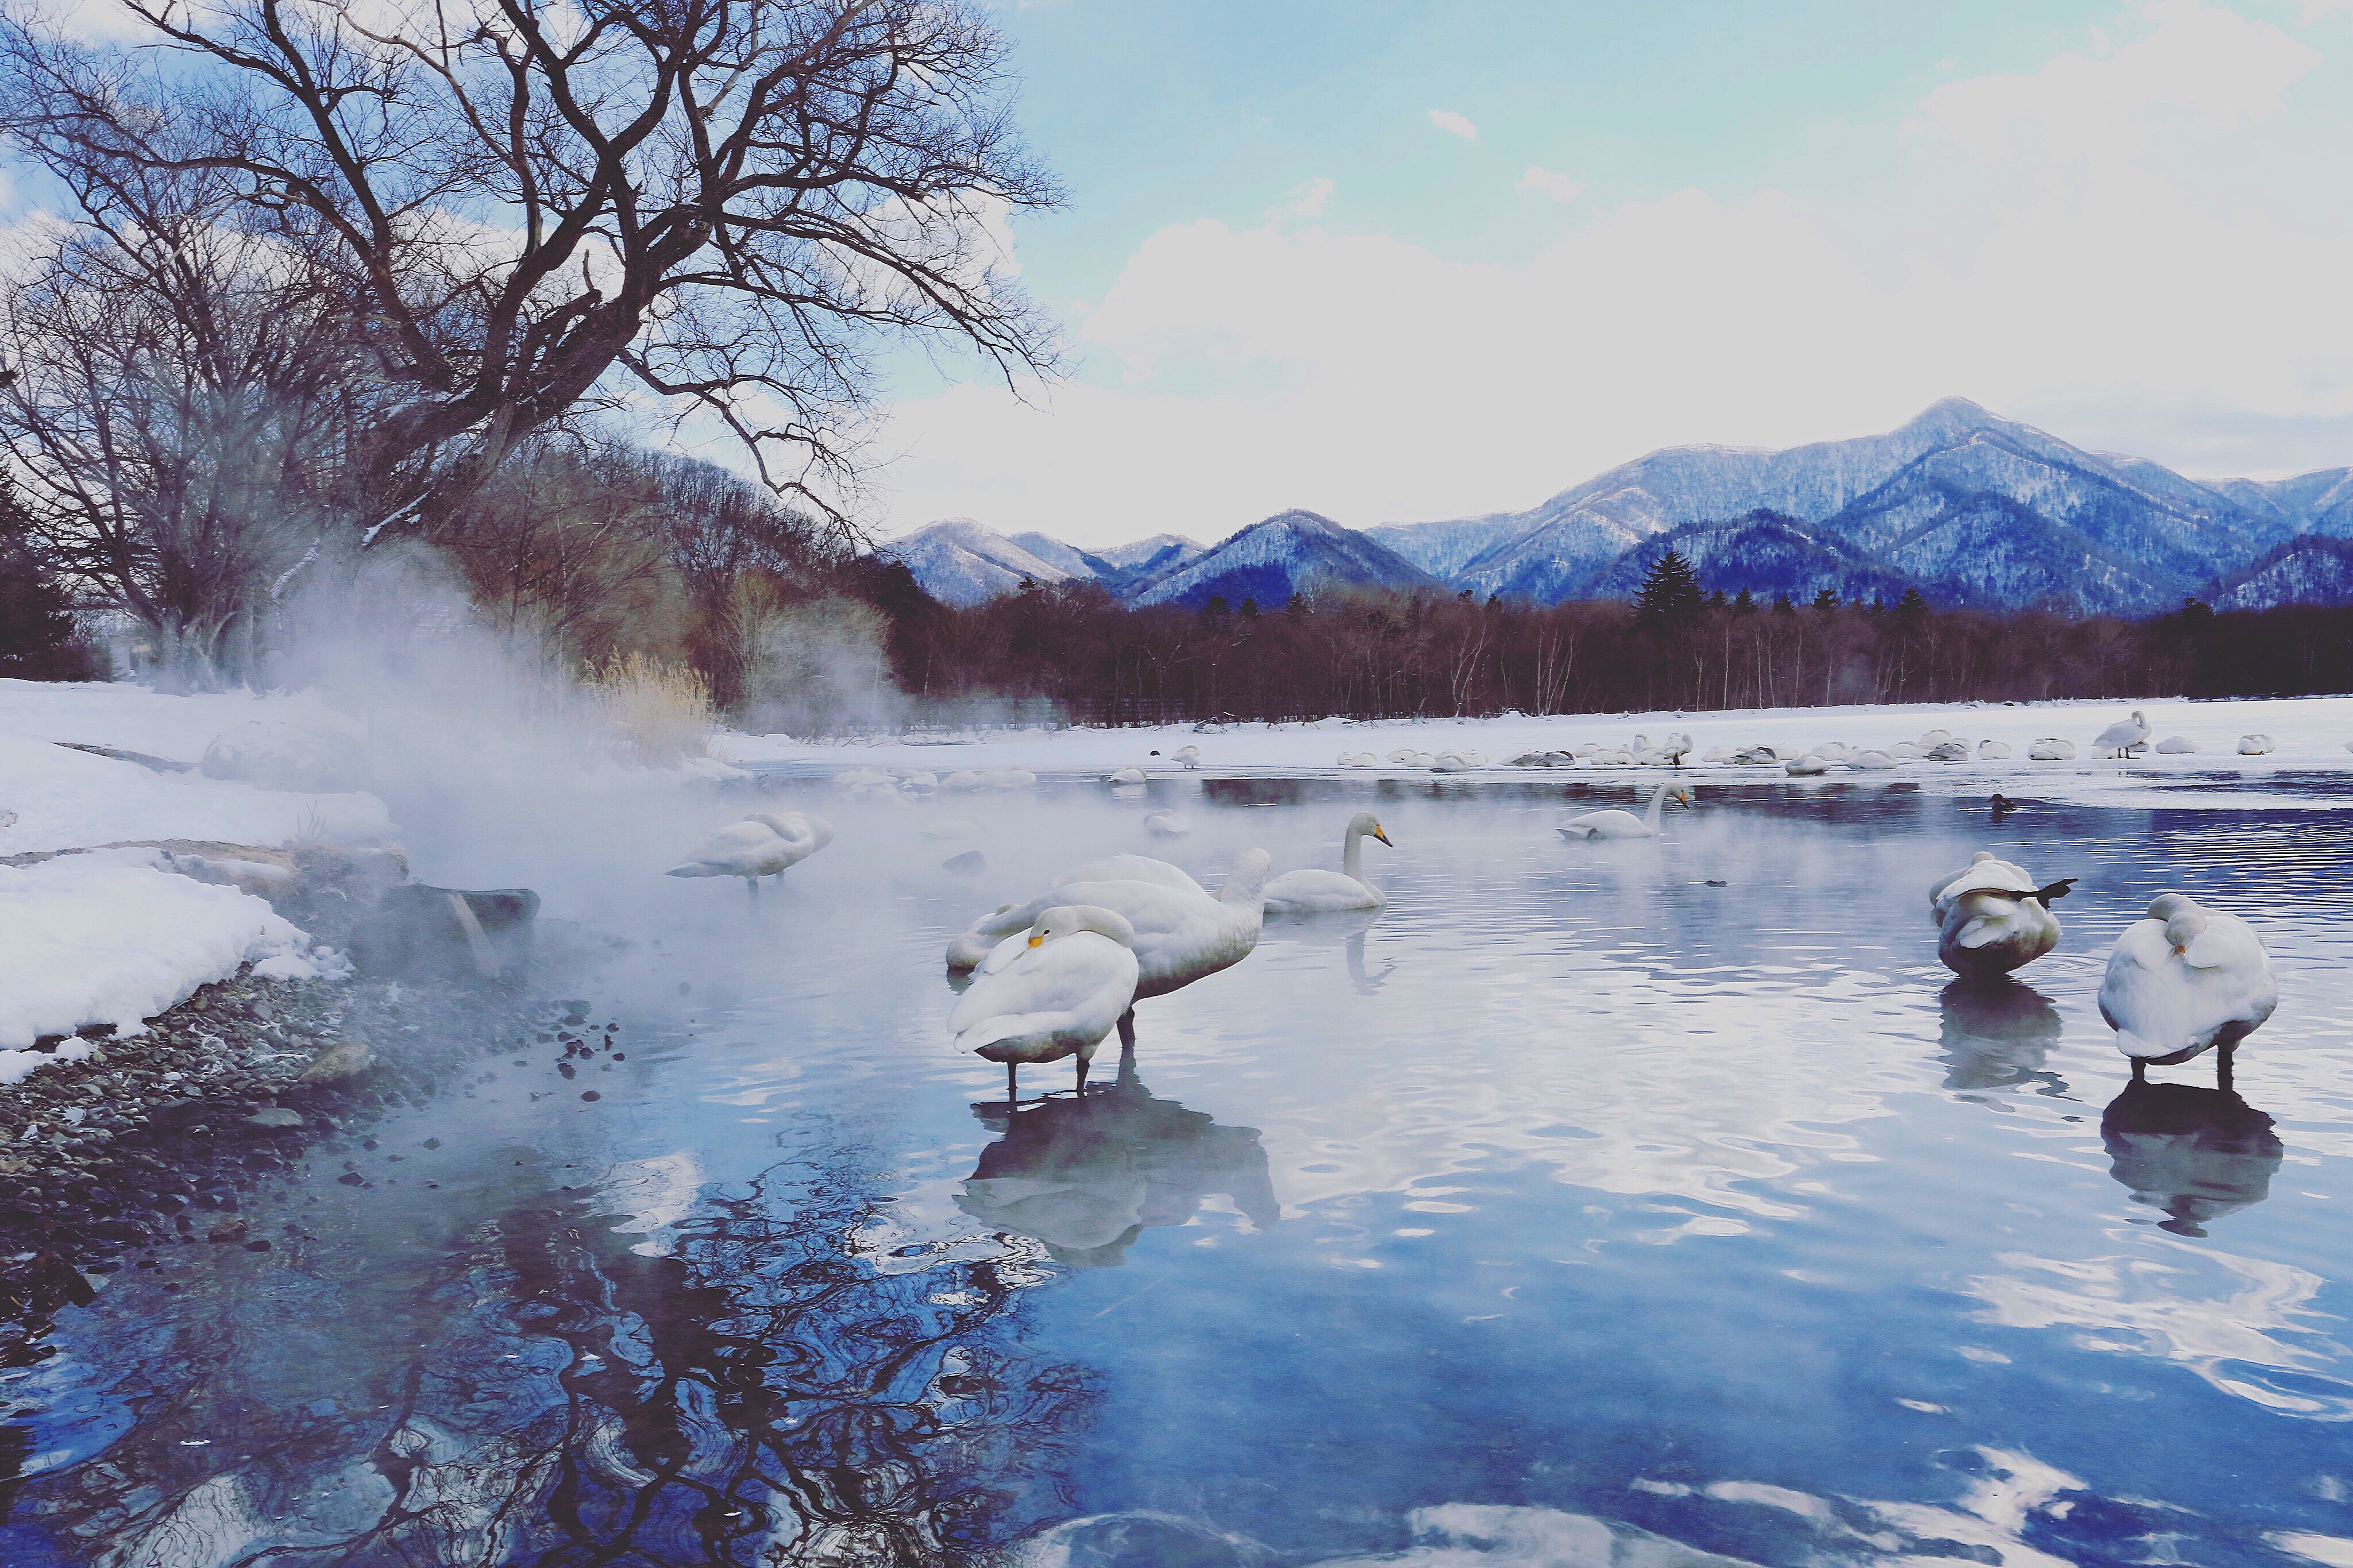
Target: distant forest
{"x":1071,"y":651}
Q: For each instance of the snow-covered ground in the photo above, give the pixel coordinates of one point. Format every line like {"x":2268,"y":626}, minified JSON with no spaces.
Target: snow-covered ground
{"x":110,"y":938}
{"x":2309,"y":734}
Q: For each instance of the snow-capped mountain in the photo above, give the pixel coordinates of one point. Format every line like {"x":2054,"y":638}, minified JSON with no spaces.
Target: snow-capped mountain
{"x":1289,"y":552}
{"x":1146,"y":556}
{"x":1766,"y":552}
{"x":1970,"y":507}
{"x":959,"y":561}
{"x":1977,"y":508}
{"x":2311,"y":569}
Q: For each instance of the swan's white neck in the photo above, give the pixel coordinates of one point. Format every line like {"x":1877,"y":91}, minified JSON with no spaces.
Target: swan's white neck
{"x":1352,"y":859}
{"x":1658,"y":810}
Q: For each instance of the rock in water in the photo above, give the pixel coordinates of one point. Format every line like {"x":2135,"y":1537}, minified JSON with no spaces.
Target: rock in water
{"x":420,"y":932}
{"x":971,"y":863}
{"x":345,"y":1058}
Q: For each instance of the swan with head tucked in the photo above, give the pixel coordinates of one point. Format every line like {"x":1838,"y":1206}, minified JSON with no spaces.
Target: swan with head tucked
{"x":1992,"y":918}
{"x":1052,"y":992}
{"x":2125,"y":736}
{"x":2184,"y":980}
{"x":1131,"y":869}
{"x":1616,"y":824}
{"x":1181,"y":936}
{"x":764,"y":844}
{"x":1319,"y":891}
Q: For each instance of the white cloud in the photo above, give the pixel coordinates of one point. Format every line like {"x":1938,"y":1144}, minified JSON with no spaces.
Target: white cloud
{"x":1454,"y":124}
{"x":1543,"y":182}
{"x":1307,"y":199}
{"x":2141,"y":240}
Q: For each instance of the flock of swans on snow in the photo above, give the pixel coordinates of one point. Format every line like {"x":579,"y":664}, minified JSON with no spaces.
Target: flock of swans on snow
{"x":2125,"y":737}
{"x":1057,"y":975}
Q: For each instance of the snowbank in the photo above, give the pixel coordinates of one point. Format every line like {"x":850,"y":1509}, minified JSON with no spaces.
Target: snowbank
{"x":65,"y":800}
{"x":2311,"y":733}
{"x":100,"y":939}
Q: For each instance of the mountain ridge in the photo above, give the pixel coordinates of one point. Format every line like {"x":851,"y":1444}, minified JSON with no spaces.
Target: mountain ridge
{"x":1968,"y":506}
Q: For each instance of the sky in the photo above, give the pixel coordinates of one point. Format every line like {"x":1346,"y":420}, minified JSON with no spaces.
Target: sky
{"x":1393,"y":261}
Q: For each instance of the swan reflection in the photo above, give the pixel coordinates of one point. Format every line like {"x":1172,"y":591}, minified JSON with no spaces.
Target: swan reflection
{"x":1345,"y":928}
{"x":2196,"y":1153}
{"x":1998,"y":1034}
{"x":1087,"y":1175}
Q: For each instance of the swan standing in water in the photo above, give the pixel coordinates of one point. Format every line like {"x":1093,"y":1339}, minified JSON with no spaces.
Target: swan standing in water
{"x":1319,"y":891}
{"x":1616,"y":824}
{"x":2184,"y":980}
{"x":765,"y":844}
{"x":1992,"y":916}
{"x":1180,"y":936}
{"x":1053,"y":992}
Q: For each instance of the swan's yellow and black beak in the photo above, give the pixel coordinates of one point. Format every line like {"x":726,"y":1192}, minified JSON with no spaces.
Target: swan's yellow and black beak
{"x":1382,"y":836}
{"x":1039,"y":940}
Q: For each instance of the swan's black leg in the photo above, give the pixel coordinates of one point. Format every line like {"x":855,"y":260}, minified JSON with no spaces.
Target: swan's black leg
{"x":2140,"y":1070}
{"x":2222,"y":1067}
{"x":1127,"y":1030}
{"x":1012,"y":1088}
{"x":1083,"y":1075}
{"x":753,"y":884}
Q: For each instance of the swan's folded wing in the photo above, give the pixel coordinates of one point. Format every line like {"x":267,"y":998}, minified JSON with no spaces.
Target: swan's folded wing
{"x":733,"y":842}
{"x":1150,"y":907}
{"x":1129,"y":869}
{"x":2227,"y":942}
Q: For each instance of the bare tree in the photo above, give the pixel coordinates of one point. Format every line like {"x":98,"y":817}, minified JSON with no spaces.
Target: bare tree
{"x":530,"y":205}
{"x":174,"y":403}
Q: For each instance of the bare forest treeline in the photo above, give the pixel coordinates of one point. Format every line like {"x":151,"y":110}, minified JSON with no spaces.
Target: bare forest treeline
{"x":1071,"y":651}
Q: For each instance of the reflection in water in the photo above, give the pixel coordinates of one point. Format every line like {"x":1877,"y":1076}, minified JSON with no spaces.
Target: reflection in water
{"x":1998,"y":1034}
{"x":1085,"y":1175}
{"x":1344,"y":928}
{"x":2197,"y":1154}
{"x":756,"y":1397}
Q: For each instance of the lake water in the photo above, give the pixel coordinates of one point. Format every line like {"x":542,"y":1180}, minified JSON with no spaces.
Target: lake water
{"x":1577,"y":1210}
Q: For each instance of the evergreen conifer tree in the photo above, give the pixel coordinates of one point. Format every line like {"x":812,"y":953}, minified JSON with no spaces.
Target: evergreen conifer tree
{"x":1670,"y":596}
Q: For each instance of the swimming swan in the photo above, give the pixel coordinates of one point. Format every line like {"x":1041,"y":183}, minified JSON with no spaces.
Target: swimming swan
{"x":765,"y":844}
{"x":1053,"y":993}
{"x":1616,"y":824}
{"x":2184,"y":980}
{"x":1319,"y":891}
{"x":1131,"y":869}
{"x":1992,"y":916}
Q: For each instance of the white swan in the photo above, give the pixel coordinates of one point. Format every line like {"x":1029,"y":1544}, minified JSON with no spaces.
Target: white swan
{"x":1992,"y":916}
{"x":2184,"y":980}
{"x":1131,"y":869}
{"x":1992,"y":751}
{"x":1167,"y":824}
{"x":1188,"y":758}
{"x":764,"y":844}
{"x":1053,"y":993}
{"x":1007,"y":778}
{"x":1616,"y":824}
{"x":1870,"y":761}
{"x":2125,"y":736}
{"x":1180,"y":935}
{"x":2052,"y":749}
{"x":2256,"y":745}
{"x":1358,"y":759}
{"x":1319,"y":891}
{"x":1128,"y":775}
{"x":1807,"y":766}
{"x":2177,"y":746}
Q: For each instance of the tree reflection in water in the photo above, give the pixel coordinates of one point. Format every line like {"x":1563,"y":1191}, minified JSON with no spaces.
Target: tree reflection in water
{"x":1086,"y":1173}
{"x":757,"y":1396}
